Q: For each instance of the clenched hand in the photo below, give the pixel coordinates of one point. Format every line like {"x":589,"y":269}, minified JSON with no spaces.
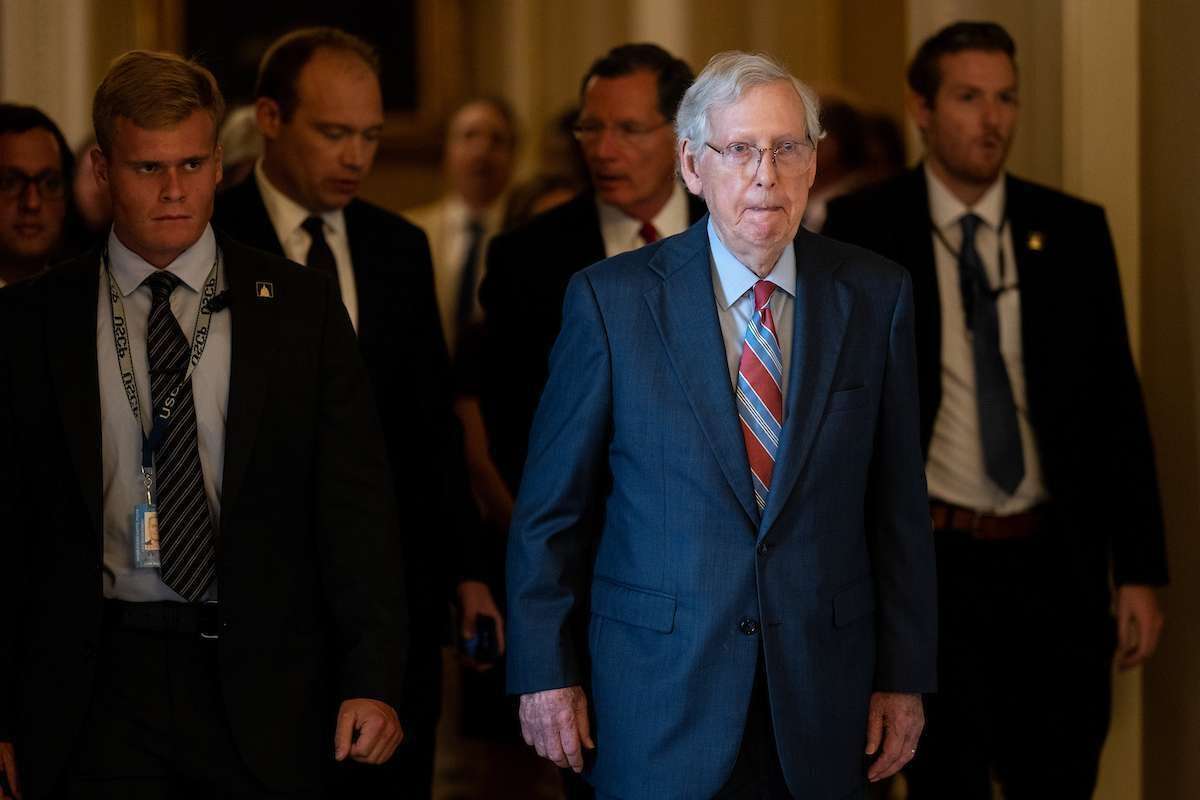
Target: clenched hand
{"x":376,"y":727}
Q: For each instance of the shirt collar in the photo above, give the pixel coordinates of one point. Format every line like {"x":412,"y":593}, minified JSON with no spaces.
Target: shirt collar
{"x":457,"y":215}
{"x":191,"y":266}
{"x":946,"y":210}
{"x":734,"y":278}
{"x":671,"y":219}
{"x":286,"y":214}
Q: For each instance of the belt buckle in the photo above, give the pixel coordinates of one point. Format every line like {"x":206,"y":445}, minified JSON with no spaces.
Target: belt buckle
{"x":210,"y":621}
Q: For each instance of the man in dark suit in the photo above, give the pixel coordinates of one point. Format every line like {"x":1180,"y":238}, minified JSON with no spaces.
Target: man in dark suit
{"x":736,"y":409}
{"x":199,"y":547}
{"x":320,"y":111}
{"x":1037,"y":448}
{"x":628,"y":100}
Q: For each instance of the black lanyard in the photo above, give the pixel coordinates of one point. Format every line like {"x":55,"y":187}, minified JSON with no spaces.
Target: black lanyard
{"x":957,"y":254}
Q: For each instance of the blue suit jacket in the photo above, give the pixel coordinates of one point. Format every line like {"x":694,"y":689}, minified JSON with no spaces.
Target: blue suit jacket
{"x":637,"y":437}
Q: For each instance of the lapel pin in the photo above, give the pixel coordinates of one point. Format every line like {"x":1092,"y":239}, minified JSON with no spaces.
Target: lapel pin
{"x":264,"y":290}
{"x":1036,"y":241}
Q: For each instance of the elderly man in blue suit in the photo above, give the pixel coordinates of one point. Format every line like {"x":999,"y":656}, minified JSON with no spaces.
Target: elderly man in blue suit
{"x":725,"y":476}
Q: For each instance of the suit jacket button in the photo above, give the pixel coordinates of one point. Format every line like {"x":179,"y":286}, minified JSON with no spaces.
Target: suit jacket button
{"x":748,"y":626}
{"x":763,"y":548}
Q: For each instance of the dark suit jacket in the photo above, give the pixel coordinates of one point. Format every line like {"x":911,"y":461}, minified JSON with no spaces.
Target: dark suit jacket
{"x":309,"y":570}
{"x":833,"y":583}
{"x":522,"y":297}
{"x":401,"y":341}
{"x":1085,"y":401}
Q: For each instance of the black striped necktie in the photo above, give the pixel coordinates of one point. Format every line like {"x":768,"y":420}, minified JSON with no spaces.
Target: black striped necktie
{"x":188,"y":551}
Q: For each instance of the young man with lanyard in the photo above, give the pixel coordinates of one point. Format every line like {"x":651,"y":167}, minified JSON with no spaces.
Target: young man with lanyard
{"x":200,"y":543}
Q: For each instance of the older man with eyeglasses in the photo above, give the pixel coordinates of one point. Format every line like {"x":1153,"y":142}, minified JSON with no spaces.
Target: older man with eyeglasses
{"x":625,"y":129}
{"x":725,"y":475}
{"x":35,"y":170}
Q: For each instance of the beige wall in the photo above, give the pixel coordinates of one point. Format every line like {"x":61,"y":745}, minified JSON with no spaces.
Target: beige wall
{"x":1171,"y":367}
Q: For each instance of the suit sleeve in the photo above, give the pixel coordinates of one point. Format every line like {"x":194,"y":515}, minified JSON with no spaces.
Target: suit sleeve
{"x":356,"y":524}
{"x":550,"y":541}
{"x":1134,"y":513}
{"x":11,"y":527}
{"x":898,"y":527}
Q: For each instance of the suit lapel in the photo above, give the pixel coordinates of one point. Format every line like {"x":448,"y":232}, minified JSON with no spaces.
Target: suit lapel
{"x":254,"y":324}
{"x":823,"y":308}
{"x":685,"y":313}
{"x":71,"y":341}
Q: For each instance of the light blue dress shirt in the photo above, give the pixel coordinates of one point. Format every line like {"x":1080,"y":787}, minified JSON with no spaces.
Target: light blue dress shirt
{"x":733,"y":284}
{"x":121,"y":443}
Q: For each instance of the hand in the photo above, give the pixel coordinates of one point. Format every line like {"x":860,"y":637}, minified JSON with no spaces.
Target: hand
{"x":555,"y":723}
{"x":897,"y":719}
{"x":475,"y":598}
{"x":367,"y":730}
{"x":8,"y":770}
{"x":1139,"y":623}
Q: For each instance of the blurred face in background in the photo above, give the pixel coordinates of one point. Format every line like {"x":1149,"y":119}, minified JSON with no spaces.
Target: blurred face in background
{"x":320,"y":156}
{"x":628,"y":144}
{"x":162,"y":183}
{"x":479,"y":153}
{"x":969,"y":128}
{"x":32,"y":197}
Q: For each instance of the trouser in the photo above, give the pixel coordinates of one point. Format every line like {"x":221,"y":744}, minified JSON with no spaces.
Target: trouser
{"x":757,"y":773}
{"x":1026,"y":641}
{"x":156,"y":727}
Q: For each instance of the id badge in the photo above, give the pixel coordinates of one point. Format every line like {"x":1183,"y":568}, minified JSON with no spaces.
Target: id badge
{"x":145,"y":536}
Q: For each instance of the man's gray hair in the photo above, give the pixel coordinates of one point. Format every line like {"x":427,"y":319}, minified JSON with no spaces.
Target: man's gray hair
{"x":722,"y":83}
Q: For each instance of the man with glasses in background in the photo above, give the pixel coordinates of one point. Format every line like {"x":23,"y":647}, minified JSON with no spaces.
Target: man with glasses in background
{"x":35,"y":171}
{"x":628,"y":101}
{"x":725,"y":470}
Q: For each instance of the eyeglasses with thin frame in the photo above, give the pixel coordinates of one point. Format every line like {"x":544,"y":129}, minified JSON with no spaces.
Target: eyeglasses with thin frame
{"x":49,"y":183}
{"x":788,"y":156}
{"x":590,"y":131}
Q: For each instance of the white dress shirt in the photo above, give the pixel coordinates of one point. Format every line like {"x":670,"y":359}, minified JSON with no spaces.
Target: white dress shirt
{"x":622,"y":232}
{"x":733,"y":285}
{"x":287,"y":217}
{"x":121,"y":435}
{"x":447,"y":223}
{"x":955,"y":469}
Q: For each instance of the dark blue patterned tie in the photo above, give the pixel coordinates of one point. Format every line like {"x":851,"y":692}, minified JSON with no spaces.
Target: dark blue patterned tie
{"x":1003,"y":457}
{"x":185,"y":527}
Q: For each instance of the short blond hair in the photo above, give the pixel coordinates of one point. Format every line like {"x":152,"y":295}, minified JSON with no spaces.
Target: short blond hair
{"x":153,"y":91}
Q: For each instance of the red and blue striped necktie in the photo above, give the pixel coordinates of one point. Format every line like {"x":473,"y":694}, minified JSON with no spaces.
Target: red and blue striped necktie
{"x":760,"y":392}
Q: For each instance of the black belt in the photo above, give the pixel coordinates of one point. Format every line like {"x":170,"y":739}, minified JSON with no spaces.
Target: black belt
{"x":187,"y":619}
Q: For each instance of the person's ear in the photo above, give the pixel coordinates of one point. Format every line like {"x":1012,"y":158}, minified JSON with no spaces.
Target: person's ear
{"x":99,"y":165}
{"x":688,"y":169}
{"x":268,"y":116}
{"x":919,"y":109}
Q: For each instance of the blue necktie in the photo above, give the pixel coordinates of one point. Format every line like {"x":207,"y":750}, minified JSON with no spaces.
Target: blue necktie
{"x":1003,"y":457}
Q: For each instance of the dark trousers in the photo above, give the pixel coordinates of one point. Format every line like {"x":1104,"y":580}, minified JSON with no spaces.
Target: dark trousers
{"x":156,"y":727}
{"x":757,"y":773}
{"x":1024,"y":672}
